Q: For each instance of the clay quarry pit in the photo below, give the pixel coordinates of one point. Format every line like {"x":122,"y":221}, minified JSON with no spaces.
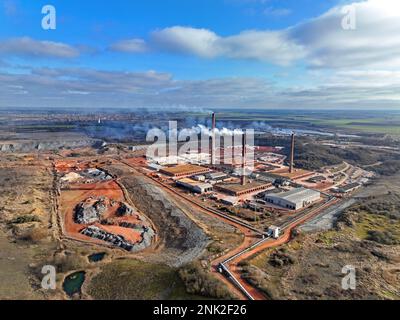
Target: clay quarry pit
{"x":94,"y":209}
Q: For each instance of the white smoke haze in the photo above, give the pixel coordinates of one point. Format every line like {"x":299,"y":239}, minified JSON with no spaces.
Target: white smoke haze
{"x":201,"y":129}
{"x":174,"y":146}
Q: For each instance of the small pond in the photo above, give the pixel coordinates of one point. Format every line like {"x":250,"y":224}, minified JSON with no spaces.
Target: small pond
{"x":73,"y":283}
{"x":96,"y":257}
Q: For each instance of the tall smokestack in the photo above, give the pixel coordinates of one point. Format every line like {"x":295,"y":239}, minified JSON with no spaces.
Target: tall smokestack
{"x":214,"y":126}
{"x":244,"y":155}
{"x":214,"y":121}
{"x":292,"y":154}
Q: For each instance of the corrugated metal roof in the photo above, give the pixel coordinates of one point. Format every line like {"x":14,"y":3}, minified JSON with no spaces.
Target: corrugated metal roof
{"x":296,"y":195}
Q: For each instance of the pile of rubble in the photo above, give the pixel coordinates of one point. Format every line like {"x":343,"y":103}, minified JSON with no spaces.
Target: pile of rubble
{"x":96,"y":174}
{"x":71,"y":177}
{"x":147,"y":237}
{"x":125,"y":210}
{"x":119,"y":241}
{"x":87,"y":176}
{"x":91,"y":210}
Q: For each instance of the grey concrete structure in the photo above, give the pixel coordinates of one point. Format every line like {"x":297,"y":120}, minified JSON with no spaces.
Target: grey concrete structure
{"x":294,"y":199}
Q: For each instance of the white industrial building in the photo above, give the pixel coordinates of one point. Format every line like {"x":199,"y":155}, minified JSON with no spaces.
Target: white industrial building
{"x":154,"y":166}
{"x":194,"y":186}
{"x":217,"y":176}
{"x":294,"y":199}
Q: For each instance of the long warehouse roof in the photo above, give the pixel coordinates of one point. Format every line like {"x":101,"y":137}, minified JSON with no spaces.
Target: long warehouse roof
{"x":295,"y":195}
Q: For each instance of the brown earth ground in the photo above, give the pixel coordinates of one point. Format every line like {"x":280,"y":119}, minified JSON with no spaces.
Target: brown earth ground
{"x":26,"y":221}
{"x":31,"y":226}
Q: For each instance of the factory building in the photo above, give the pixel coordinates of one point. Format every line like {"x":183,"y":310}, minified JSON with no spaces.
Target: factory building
{"x":294,"y":199}
{"x":349,"y":188}
{"x":185,"y":170}
{"x":199,"y":178}
{"x":217,"y":176}
{"x":237,"y":189}
{"x":154,"y":167}
{"x":195,"y":186}
{"x":230,"y":201}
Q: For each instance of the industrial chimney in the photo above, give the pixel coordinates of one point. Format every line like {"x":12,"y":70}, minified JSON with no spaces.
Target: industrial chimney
{"x":214,"y":121}
{"x":244,"y":155}
{"x":292,"y":154}
{"x":214,"y":126}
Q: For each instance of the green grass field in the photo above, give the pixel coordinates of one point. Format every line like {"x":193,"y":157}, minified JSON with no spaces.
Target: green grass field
{"x":131,"y":279}
{"x":363,"y":122}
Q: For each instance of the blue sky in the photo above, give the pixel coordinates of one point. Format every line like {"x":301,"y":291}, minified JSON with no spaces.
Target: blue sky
{"x":198,"y":53}
{"x":99,"y":23}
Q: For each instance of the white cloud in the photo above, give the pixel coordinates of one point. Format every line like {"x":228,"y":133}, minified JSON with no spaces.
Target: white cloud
{"x":26,"y":46}
{"x":132,"y":46}
{"x":319,"y":42}
{"x":76,"y":87}
{"x":200,"y":42}
{"x":267,"y":46}
{"x":364,"y":67}
{"x":272,"y":46}
{"x":375,"y":41}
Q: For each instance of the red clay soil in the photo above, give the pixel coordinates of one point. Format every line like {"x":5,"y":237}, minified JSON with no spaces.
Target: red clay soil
{"x":141,"y":161}
{"x":130,"y":235}
{"x":71,"y":165}
{"x":71,"y":197}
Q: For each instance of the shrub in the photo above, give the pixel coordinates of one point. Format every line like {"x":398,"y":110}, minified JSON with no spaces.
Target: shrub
{"x":34,"y":235}
{"x":199,"y":281}
{"x":383,"y":237}
{"x":25,"y":219}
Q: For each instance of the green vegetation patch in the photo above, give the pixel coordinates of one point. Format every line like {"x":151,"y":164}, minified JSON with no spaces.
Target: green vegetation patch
{"x":25,"y":219}
{"x":201,"y":282}
{"x":376,"y":219}
{"x":378,"y":228}
{"x":130,"y":279}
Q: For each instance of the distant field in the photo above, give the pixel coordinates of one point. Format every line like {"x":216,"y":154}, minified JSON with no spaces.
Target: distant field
{"x":354,"y":121}
{"x":373,"y":125}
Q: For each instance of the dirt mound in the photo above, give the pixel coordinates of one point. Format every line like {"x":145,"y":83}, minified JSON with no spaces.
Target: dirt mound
{"x":91,"y":210}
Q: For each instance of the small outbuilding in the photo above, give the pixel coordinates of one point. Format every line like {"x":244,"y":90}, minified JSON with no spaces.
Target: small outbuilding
{"x":274,"y":232}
